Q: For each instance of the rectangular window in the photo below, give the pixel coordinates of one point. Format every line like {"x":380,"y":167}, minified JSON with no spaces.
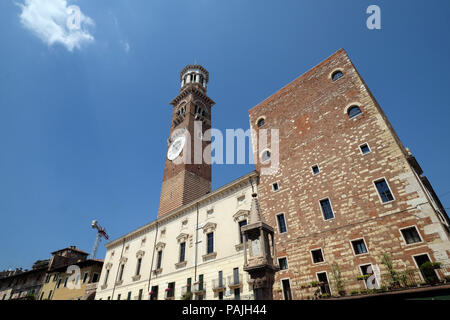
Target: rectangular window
{"x":159,"y":260}
{"x":283,"y":263}
{"x":129,"y":295}
{"x":47,"y":279}
{"x":220,"y":279}
{"x":428,"y":274}
{"x":106,"y":277}
{"x":411,"y":235}
{"x":182,"y":251}
{"x":122,"y":267}
{"x":171,"y":291}
{"x":384,"y":191}
{"x":50,"y":294}
{"x":326,"y":209}
{"x":138,"y":266}
{"x":317,"y":255}
{"x":154,"y":293}
{"x":275,"y":187}
{"x":281,"y":223}
{"x":55,"y":277}
{"x":85,"y":277}
{"x":237,"y":294}
{"x":65,"y":282}
{"x":364,"y":148}
{"x":220,"y":295}
{"x":367,"y":270}
{"x":323,"y":283}
{"x":210,"y":242}
{"x":359,"y":247}
{"x":236,"y":276}
{"x":315,"y":169}
{"x":59,"y":284}
{"x":140,"y":294}
{"x":286,"y":289}
{"x":119,"y":296}
{"x":189,"y":285}
{"x":200,"y":280}
{"x":241,"y":224}
{"x":95,"y":277}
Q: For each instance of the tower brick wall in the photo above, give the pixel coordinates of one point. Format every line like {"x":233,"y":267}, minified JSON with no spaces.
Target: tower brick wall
{"x":315,"y":129}
{"x":187,"y":181}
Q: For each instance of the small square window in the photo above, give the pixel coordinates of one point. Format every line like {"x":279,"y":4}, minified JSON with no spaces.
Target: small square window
{"x":315,"y":169}
{"x":283,"y":263}
{"x":210,"y":212}
{"x":359,"y":246}
{"x":317,"y":255}
{"x":275,"y":187}
{"x":364,"y":148}
{"x":411,"y":235}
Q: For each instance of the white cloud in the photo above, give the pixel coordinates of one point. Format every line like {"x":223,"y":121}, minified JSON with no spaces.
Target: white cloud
{"x":126,"y":46}
{"x":47,"y":19}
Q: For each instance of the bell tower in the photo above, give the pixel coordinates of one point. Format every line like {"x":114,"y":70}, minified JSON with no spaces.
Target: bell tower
{"x":187,"y":170}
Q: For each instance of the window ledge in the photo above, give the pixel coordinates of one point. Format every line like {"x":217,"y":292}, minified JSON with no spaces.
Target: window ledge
{"x":157,"y":271}
{"x":136,"y":277}
{"x":180,"y":264}
{"x":209,"y":256}
{"x":118,"y":283}
{"x":103,"y":287}
{"x":239,"y":246}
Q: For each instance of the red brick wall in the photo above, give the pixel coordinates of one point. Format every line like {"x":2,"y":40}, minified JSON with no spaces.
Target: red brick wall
{"x":314,"y":127}
{"x":184,"y":183}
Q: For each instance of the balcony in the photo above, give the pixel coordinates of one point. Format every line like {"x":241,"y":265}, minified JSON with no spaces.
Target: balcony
{"x":250,"y":282}
{"x":199,"y":288}
{"x":169,"y":294}
{"x":218,"y":285}
{"x":185,"y":291}
{"x":235,"y":281}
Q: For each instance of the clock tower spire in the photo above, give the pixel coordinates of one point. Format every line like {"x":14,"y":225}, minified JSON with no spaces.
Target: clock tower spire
{"x":187,"y":170}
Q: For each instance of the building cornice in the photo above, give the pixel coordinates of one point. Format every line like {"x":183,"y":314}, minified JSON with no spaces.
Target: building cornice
{"x":174,"y":213}
{"x":192,"y":90}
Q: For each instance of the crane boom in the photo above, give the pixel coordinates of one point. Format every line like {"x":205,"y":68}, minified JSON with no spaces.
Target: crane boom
{"x":101,"y":232}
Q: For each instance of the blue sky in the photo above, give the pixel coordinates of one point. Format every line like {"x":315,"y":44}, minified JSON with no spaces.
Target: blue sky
{"x":83,"y":130}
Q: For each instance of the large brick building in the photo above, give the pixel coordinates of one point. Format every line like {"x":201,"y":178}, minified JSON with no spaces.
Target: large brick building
{"x":345,"y":193}
{"x":346,"y":188}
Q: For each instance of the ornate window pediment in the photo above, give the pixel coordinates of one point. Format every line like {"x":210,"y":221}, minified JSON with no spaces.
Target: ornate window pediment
{"x":140,"y":254}
{"x":123,"y":260}
{"x":241,"y":215}
{"x":160,"y":245}
{"x":209,"y":227}
{"x":182,"y":237}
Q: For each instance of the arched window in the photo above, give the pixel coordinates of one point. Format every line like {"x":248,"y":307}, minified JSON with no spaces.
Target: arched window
{"x":260,"y":122}
{"x":353,"y":111}
{"x":265,"y":156}
{"x":337,"y":75}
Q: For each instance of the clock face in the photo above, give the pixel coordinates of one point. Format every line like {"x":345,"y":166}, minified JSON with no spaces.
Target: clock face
{"x":175,"y":148}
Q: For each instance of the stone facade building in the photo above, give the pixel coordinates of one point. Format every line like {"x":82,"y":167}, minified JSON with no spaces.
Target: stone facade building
{"x":47,"y":278}
{"x":60,"y":285}
{"x":347,"y":190}
{"x":346,"y":193}
{"x":195,"y":252}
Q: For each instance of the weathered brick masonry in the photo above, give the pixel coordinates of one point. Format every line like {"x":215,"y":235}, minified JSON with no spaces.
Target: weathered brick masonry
{"x":315,"y":129}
